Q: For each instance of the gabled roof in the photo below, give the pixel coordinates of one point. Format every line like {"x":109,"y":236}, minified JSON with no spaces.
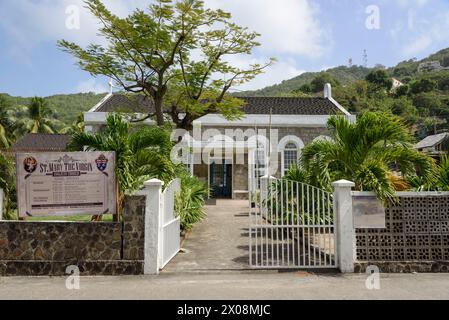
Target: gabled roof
{"x":37,"y":142}
{"x":126,"y":104}
{"x":253,"y":105}
{"x":432,"y":141}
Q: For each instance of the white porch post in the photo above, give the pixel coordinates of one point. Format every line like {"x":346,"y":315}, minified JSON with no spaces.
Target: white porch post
{"x":1,"y":203}
{"x":345,"y":247}
{"x":153,"y":192}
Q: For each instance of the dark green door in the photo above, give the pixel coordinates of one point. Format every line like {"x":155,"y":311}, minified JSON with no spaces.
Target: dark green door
{"x":221,"y":179}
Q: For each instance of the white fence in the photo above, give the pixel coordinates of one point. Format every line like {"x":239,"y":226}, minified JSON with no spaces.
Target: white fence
{"x":170,"y":224}
{"x":298,"y":226}
{"x":162,"y":226}
{"x":292,"y":226}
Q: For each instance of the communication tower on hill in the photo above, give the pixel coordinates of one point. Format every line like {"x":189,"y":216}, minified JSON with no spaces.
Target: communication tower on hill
{"x":365,"y":59}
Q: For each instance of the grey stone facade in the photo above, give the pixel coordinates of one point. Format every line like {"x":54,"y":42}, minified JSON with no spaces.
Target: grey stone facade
{"x":240,"y":171}
{"x":415,"y":237}
{"x":47,"y":248}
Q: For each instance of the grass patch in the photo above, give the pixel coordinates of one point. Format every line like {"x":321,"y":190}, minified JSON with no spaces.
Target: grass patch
{"x":81,"y":218}
{"x":78,"y":218}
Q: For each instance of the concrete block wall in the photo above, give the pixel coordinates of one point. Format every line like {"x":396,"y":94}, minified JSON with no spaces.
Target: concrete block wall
{"x":415,"y":237}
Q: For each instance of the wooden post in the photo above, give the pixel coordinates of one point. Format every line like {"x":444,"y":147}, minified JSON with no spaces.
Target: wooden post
{"x":116,"y":216}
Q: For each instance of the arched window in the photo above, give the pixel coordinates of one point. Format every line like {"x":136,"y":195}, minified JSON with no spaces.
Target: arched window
{"x":289,"y":157}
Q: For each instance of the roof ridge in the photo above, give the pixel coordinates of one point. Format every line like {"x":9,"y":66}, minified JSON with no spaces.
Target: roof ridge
{"x":274,"y":97}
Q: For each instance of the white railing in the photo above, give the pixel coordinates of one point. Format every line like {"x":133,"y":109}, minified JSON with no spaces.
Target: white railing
{"x":170,"y":224}
{"x":162,"y":225}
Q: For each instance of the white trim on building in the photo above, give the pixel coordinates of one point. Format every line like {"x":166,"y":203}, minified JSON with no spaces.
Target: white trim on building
{"x":285,"y":141}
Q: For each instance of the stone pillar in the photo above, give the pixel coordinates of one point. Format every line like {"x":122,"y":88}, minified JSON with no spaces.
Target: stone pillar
{"x":2,"y":198}
{"x":153,"y":192}
{"x":345,"y":247}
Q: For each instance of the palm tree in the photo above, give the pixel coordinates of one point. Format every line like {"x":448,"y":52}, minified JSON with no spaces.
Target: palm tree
{"x":190,"y":201}
{"x":6,"y":124}
{"x":443,"y":174}
{"x":39,"y":118}
{"x":76,"y":126}
{"x":141,"y":153}
{"x":368,"y":152}
{"x":8,"y":184}
{"x":441,"y":181}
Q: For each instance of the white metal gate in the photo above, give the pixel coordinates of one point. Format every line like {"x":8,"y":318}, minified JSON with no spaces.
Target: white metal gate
{"x":292,"y":226}
{"x":170,"y":225}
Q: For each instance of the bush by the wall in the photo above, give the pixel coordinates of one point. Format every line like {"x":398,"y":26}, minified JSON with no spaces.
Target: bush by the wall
{"x":191,"y":200}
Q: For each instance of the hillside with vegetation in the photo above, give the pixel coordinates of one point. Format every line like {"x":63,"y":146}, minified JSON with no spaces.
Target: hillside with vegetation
{"x":344,"y":75}
{"x":66,"y":107}
{"x":422,"y":100}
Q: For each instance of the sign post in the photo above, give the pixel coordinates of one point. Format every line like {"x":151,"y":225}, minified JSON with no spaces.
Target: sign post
{"x":64,"y":184}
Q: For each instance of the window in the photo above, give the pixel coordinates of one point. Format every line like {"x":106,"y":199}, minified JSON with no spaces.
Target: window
{"x":290,"y":157}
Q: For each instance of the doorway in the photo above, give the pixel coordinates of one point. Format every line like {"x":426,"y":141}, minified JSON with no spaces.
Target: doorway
{"x":221,"y":179}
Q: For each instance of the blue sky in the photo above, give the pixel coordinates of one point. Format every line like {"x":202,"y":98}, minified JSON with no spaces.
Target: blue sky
{"x":304,"y":35}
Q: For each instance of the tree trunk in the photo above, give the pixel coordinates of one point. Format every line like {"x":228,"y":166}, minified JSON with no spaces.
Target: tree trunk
{"x":159,"y":107}
{"x":186,"y":123}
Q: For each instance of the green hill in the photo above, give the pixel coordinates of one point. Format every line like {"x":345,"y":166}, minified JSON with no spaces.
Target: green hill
{"x":67,"y":107}
{"x":349,"y":91}
{"x":344,"y":75}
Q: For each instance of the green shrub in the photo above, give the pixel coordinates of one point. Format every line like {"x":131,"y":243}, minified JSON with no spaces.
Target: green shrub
{"x":191,"y":200}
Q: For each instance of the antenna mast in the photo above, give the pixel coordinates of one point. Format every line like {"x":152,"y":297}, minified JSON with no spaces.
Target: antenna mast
{"x":365,"y":59}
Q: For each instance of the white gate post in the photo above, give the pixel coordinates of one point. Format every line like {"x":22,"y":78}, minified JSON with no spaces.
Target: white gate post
{"x":265,"y":183}
{"x":345,"y":246}
{"x":1,"y":203}
{"x":153,"y":191}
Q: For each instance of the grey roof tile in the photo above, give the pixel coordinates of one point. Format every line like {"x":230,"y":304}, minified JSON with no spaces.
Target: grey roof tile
{"x":431,"y":141}
{"x":37,"y":142}
{"x":253,"y":105}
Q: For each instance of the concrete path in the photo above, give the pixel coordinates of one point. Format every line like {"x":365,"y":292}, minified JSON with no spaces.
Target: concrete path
{"x":230,"y":286}
{"x":220,"y":242}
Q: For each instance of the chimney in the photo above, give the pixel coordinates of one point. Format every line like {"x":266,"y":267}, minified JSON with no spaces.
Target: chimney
{"x":327,"y":91}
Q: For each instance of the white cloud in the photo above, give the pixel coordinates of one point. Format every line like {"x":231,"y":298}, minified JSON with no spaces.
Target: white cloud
{"x":287,"y":26}
{"x":45,"y":20}
{"x":277,"y":73}
{"x":417,"y":46}
{"x":409,"y":3}
{"x":274,"y":74}
{"x":91,"y":85}
{"x":423,"y":29}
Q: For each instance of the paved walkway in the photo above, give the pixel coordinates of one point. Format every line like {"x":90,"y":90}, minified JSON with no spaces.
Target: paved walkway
{"x":235,"y":285}
{"x":220,"y":242}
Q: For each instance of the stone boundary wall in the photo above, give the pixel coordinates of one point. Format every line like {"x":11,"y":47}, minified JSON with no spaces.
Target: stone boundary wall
{"x":134,"y":227}
{"x":103,"y":248}
{"x":415,"y":237}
